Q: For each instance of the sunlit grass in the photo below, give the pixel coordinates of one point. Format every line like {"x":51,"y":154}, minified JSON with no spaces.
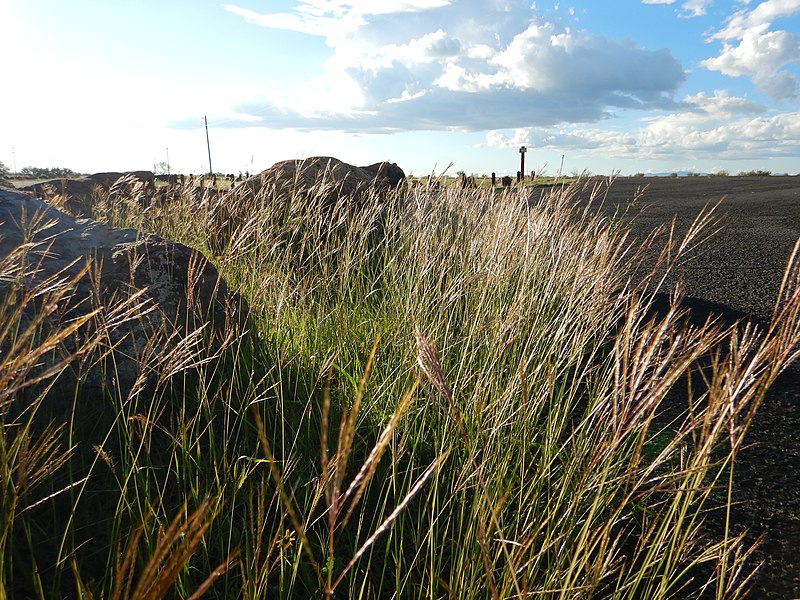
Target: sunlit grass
{"x":441,"y":393}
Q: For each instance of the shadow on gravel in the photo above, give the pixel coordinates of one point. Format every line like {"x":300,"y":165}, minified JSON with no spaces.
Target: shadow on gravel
{"x":736,"y":275}
{"x":767,"y":471}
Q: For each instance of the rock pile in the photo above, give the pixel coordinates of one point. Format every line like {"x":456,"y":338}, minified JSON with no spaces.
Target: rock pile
{"x":78,"y":195}
{"x":328,"y":178}
{"x":151,"y":293}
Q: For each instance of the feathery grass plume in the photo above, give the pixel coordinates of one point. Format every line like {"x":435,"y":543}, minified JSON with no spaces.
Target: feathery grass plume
{"x":579,"y":441}
{"x":35,"y":350}
{"x":172,"y":552}
{"x":332,"y":482}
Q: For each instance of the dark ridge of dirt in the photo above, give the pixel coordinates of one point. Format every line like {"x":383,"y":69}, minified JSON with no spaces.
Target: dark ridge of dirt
{"x":737,"y":274}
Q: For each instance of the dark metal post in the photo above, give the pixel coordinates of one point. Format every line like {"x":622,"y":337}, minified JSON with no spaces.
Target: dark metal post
{"x":522,"y":152}
{"x":494,"y":179}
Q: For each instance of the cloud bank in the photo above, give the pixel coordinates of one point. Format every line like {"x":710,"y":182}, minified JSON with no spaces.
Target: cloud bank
{"x":713,"y":127}
{"x":497,"y":64}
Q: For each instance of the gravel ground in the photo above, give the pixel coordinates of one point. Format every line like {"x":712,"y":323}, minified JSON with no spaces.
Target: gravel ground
{"x":738,"y":272}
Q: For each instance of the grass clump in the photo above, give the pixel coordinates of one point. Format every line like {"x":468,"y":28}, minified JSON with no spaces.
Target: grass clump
{"x":443,"y":393}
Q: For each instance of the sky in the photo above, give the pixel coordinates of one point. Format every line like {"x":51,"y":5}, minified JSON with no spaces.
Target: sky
{"x":602,"y":87}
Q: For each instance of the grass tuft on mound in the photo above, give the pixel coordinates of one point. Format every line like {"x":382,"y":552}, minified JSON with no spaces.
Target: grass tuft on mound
{"x":443,"y":393}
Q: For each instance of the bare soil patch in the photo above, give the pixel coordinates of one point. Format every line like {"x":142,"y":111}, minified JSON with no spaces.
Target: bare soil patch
{"x":738,"y":273}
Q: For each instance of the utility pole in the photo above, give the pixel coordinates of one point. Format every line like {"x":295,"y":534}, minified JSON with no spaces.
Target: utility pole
{"x":168,"y":171}
{"x":14,"y":159}
{"x":208,"y":145}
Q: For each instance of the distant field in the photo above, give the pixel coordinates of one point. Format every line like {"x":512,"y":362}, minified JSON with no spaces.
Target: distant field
{"x":740,"y":266}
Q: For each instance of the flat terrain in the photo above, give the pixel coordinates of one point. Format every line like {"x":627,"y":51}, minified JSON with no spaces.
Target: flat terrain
{"x":741,"y":266}
{"x":738,"y":271}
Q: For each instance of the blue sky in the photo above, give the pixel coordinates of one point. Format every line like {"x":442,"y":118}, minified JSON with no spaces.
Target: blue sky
{"x":612,"y":86}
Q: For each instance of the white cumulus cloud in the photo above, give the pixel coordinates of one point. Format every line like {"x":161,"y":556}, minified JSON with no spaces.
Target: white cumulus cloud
{"x":695,"y":8}
{"x":751,"y":48}
{"x":332,"y":17}
{"x":432,"y":64}
{"x":714,"y":127}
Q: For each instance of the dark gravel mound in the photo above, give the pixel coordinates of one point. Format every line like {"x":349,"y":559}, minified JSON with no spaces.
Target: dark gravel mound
{"x":734,"y":275}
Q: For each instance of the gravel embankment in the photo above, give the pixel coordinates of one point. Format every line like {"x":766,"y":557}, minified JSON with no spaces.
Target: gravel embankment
{"x":739,"y":271}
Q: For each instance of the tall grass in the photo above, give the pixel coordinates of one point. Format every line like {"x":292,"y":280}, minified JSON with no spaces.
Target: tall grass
{"x":443,"y":394}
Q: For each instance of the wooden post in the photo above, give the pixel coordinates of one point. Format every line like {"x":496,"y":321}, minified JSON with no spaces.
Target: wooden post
{"x":494,"y":179}
{"x":208,"y":145}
